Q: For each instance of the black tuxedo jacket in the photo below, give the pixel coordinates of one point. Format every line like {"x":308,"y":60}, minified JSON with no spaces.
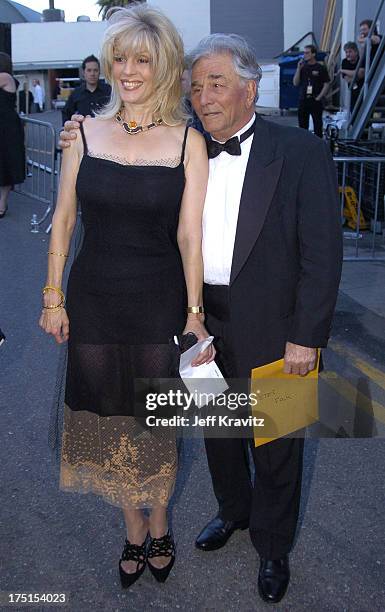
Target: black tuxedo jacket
{"x":288,"y":248}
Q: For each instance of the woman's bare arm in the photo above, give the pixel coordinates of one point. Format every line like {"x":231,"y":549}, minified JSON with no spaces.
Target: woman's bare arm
{"x":63,"y":223}
{"x":190,"y":233}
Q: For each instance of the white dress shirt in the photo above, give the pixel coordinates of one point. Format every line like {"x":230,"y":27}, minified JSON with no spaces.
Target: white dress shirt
{"x":38,"y":95}
{"x":220,"y":215}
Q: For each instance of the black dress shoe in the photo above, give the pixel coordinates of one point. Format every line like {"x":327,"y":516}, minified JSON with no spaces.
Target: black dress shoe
{"x":217,"y":532}
{"x":273,"y":578}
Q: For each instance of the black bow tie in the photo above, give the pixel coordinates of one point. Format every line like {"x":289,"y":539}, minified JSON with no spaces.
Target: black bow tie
{"x":231,"y":146}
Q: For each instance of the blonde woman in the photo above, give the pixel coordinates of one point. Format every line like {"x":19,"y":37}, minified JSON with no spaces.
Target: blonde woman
{"x":141,"y":177}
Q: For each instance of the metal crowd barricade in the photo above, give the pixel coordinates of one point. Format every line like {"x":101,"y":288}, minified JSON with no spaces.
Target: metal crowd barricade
{"x":361,"y":179}
{"x":43,"y":163}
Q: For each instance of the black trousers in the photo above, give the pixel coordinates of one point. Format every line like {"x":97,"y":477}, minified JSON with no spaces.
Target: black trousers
{"x":271,"y":502}
{"x":307,"y":107}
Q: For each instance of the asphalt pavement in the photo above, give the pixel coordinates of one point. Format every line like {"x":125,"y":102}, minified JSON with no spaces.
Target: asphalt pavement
{"x":55,"y":542}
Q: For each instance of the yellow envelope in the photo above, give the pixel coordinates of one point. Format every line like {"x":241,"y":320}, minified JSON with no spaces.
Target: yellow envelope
{"x":285,"y":402}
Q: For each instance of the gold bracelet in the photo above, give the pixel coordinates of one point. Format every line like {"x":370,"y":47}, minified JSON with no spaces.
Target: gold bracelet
{"x":57,"y":289}
{"x":54,"y":253}
{"x":195,"y":309}
{"x":52,"y":308}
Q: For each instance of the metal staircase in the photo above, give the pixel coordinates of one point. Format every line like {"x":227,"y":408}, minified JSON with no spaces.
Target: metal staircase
{"x":369,"y":108}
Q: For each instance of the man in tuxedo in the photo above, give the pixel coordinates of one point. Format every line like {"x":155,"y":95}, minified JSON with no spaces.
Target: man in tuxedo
{"x":272,"y":250}
{"x":272,"y":258}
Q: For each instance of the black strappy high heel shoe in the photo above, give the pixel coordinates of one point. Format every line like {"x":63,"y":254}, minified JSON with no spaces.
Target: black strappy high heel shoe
{"x":161,"y":547}
{"x":132,"y":552}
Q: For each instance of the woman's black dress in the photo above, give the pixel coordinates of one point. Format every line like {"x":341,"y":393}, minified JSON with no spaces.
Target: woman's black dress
{"x":126,"y":299}
{"x":12,"y":153}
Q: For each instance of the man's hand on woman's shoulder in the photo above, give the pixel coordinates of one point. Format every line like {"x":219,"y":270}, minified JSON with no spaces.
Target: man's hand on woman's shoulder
{"x":70,"y":131}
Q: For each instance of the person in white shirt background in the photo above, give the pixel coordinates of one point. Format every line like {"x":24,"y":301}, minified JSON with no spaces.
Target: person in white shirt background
{"x":38,"y":96}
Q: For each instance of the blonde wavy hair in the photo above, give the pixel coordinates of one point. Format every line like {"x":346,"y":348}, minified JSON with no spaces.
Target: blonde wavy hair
{"x":141,"y":29}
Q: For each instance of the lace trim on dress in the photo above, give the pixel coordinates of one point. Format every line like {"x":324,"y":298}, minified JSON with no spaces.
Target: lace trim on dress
{"x":169,"y":162}
{"x":115,"y":458}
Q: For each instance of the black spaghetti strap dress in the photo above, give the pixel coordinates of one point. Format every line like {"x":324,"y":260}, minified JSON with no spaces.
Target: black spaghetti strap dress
{"x":126,"y":299}
{"x":12,"y":153}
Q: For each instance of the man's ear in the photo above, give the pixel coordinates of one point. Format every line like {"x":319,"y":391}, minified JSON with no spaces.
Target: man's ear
{"x":251,"y":93}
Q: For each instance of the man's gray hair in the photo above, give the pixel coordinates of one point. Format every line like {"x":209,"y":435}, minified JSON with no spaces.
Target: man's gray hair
{"x":245,"y":61}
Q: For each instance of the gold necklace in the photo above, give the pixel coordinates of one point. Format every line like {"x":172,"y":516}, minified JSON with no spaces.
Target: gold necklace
{"x":133,"y":128}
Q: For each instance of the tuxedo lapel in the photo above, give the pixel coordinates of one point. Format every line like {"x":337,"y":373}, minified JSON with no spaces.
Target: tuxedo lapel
{"x":261,"y":178}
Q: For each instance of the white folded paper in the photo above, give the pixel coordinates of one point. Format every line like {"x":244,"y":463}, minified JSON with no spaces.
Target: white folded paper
{"x":206,"y":381}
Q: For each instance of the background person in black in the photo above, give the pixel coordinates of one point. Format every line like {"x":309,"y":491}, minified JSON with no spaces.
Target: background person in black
{"x":365,"y":26}
{"x":348,"y":68}
{"x":12,"y":153}
{"x":25,"y":97}
{"x":313,"y":80}
{"x":91,"y":95}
